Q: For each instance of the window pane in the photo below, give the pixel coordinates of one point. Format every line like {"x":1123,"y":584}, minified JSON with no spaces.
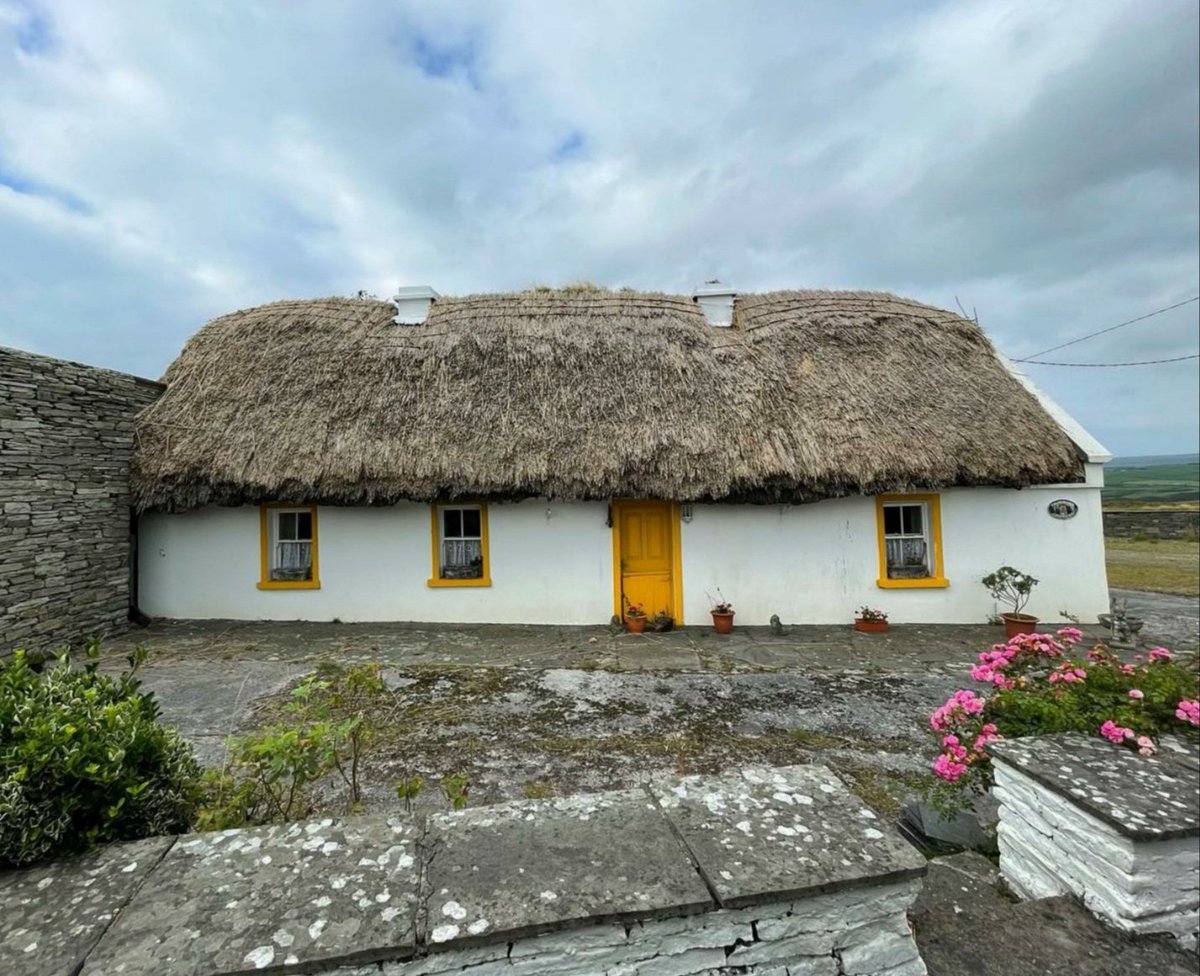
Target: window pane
{"x":907,"y":559}
{"x":304,"y":525}
{"x":891,"y":520}
{"x":451,"y":523}
{"x":913,"y":519}
{"x":286,"y":525}
{"x":470,"y":523}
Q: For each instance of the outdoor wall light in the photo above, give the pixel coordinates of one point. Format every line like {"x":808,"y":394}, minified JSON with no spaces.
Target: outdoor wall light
{"x":685,"y":512}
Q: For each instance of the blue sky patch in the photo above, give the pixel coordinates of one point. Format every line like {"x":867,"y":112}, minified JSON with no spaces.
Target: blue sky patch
{"x":32,"y":188}
{"x":446,"y":60}
{"x":35,"y":35}
{"x":571,"y":146}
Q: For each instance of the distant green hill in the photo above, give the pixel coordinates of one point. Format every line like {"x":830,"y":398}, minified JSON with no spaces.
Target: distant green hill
{"x":1179,"y":482}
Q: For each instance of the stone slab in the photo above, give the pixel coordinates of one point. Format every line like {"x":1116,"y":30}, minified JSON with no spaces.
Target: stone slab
{"x":271,"y":898}
{"x":966,"y":923}
{"x":641,"y":652}
{"x":52,"y":915}
{"x":1142,"y":797}
{"x":765,"y":833}
{"x":521,"y":868}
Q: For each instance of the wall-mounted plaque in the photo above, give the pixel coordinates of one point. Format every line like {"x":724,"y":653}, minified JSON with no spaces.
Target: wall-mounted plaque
{"x":1062,"y":508}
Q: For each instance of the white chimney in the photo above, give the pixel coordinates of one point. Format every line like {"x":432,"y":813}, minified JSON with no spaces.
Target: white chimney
{"x":716,"y":302}
{"x":412,"y":304}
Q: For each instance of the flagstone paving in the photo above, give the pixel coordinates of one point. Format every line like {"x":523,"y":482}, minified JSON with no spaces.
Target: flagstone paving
{"x":552,"y":711}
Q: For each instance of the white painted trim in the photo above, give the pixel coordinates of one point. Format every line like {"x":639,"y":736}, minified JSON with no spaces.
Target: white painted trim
{"x":412,"y":304}
{"x":1096,"y":452}
{"x":716,"y":302}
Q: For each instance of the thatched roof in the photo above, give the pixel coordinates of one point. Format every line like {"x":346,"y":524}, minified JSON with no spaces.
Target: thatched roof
{"x":588,"y":393}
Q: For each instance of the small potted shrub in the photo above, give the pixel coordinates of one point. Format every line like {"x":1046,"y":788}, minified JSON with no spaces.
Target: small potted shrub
{"x":722,"y":615}
{"x":870,"y":621}
{"x":635,"y":618}
{"x":1012,"y":587}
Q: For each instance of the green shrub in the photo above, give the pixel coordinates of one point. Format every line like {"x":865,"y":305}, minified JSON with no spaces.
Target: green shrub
{"x":84,"y":760}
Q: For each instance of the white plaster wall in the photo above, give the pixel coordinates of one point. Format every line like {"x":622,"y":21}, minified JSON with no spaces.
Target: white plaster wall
{"x":550,"y":563}
{"x":816,"y":564}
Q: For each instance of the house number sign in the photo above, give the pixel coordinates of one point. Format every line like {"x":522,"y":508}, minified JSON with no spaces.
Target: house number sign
{"x":1062,"y":508}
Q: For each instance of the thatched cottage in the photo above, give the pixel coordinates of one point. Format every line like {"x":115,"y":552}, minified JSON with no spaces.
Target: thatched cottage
{"x":551,"y":455}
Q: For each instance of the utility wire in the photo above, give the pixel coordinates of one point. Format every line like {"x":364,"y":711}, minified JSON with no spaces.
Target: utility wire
{"x":1144,"y":362}
{"x":1111,"y":328}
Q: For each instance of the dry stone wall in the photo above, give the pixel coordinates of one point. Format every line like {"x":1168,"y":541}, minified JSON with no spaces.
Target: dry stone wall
{"x":1152,"y":524}
{"x":66,"y":435}
{"x":1082,"y":816}
{"x":770,"y":872}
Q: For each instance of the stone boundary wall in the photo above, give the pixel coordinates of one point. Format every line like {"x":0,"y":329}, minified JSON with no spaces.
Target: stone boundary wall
{"x":774,"y":872}
{"x":1120,"y":831}
{"x":66,"y":435}
{"x":1152,"y":524}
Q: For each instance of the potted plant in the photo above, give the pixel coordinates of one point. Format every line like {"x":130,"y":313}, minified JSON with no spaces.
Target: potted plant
{"x":635,"y":618}
{"x":1012,"y":587}
{"x":722,"y":615}
{"x":870,"y":621}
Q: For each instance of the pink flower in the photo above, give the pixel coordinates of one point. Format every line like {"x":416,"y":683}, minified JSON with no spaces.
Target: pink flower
{"x":1070,"y":635}
{"x":1128,"y":669}
{"x":1115,"y":733}
{"x":946,"y":768}
{"x":1188,"y":711}
{"x":1146,"y":746}
{"x":1160,"y":654}
{"x":1136,"y":694}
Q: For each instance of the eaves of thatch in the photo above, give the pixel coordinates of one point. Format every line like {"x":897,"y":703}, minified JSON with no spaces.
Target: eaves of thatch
{"x":590,"y":394}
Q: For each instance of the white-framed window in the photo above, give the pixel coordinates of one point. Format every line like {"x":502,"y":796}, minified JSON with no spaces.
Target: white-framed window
{"x":460,"y":544}
{"x":289,"y":543}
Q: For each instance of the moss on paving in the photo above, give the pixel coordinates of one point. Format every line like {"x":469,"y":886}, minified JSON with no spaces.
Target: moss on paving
{"x":516,"y":737}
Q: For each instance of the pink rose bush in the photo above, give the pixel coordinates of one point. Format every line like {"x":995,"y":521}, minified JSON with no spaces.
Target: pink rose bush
{"x":1037,"y":684}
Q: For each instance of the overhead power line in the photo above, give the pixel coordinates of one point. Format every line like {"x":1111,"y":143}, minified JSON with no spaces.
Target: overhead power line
{"x":1111,"y":328}
{"x":1144,"y":362}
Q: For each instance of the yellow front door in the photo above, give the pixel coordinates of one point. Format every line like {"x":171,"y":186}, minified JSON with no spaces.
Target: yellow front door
{"x":646,"y":548}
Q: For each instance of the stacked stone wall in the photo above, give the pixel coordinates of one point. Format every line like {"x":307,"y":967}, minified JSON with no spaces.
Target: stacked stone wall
{"x":66,"y":435}
{"x":1152,"y":524}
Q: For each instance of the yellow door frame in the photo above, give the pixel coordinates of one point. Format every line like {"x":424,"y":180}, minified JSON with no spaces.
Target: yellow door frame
{"x":675,"y":523}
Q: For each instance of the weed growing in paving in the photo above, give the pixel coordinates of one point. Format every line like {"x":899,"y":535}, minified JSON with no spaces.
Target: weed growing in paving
{"x":333,"y":715}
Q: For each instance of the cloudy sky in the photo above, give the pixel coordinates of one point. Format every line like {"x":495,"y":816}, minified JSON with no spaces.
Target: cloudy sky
{"x":165,"y":162}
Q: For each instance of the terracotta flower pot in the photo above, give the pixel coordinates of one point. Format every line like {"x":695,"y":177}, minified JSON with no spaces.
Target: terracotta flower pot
{"x":723,"y":622}
{"x":1018,"y":623}
{"x":635,"y":625}
{"x":870,"y":626}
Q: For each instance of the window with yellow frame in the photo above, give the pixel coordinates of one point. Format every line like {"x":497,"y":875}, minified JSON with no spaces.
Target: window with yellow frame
{"x":288,"y":543}
{"x":459,"y":534}
{"x":910,"y":541}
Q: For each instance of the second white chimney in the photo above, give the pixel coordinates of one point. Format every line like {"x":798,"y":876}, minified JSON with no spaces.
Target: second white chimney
{"x":412,"y":304}
{"x":716,"y":302}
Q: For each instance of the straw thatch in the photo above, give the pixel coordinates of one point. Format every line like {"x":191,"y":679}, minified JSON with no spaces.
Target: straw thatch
{"x":588,"y":393}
